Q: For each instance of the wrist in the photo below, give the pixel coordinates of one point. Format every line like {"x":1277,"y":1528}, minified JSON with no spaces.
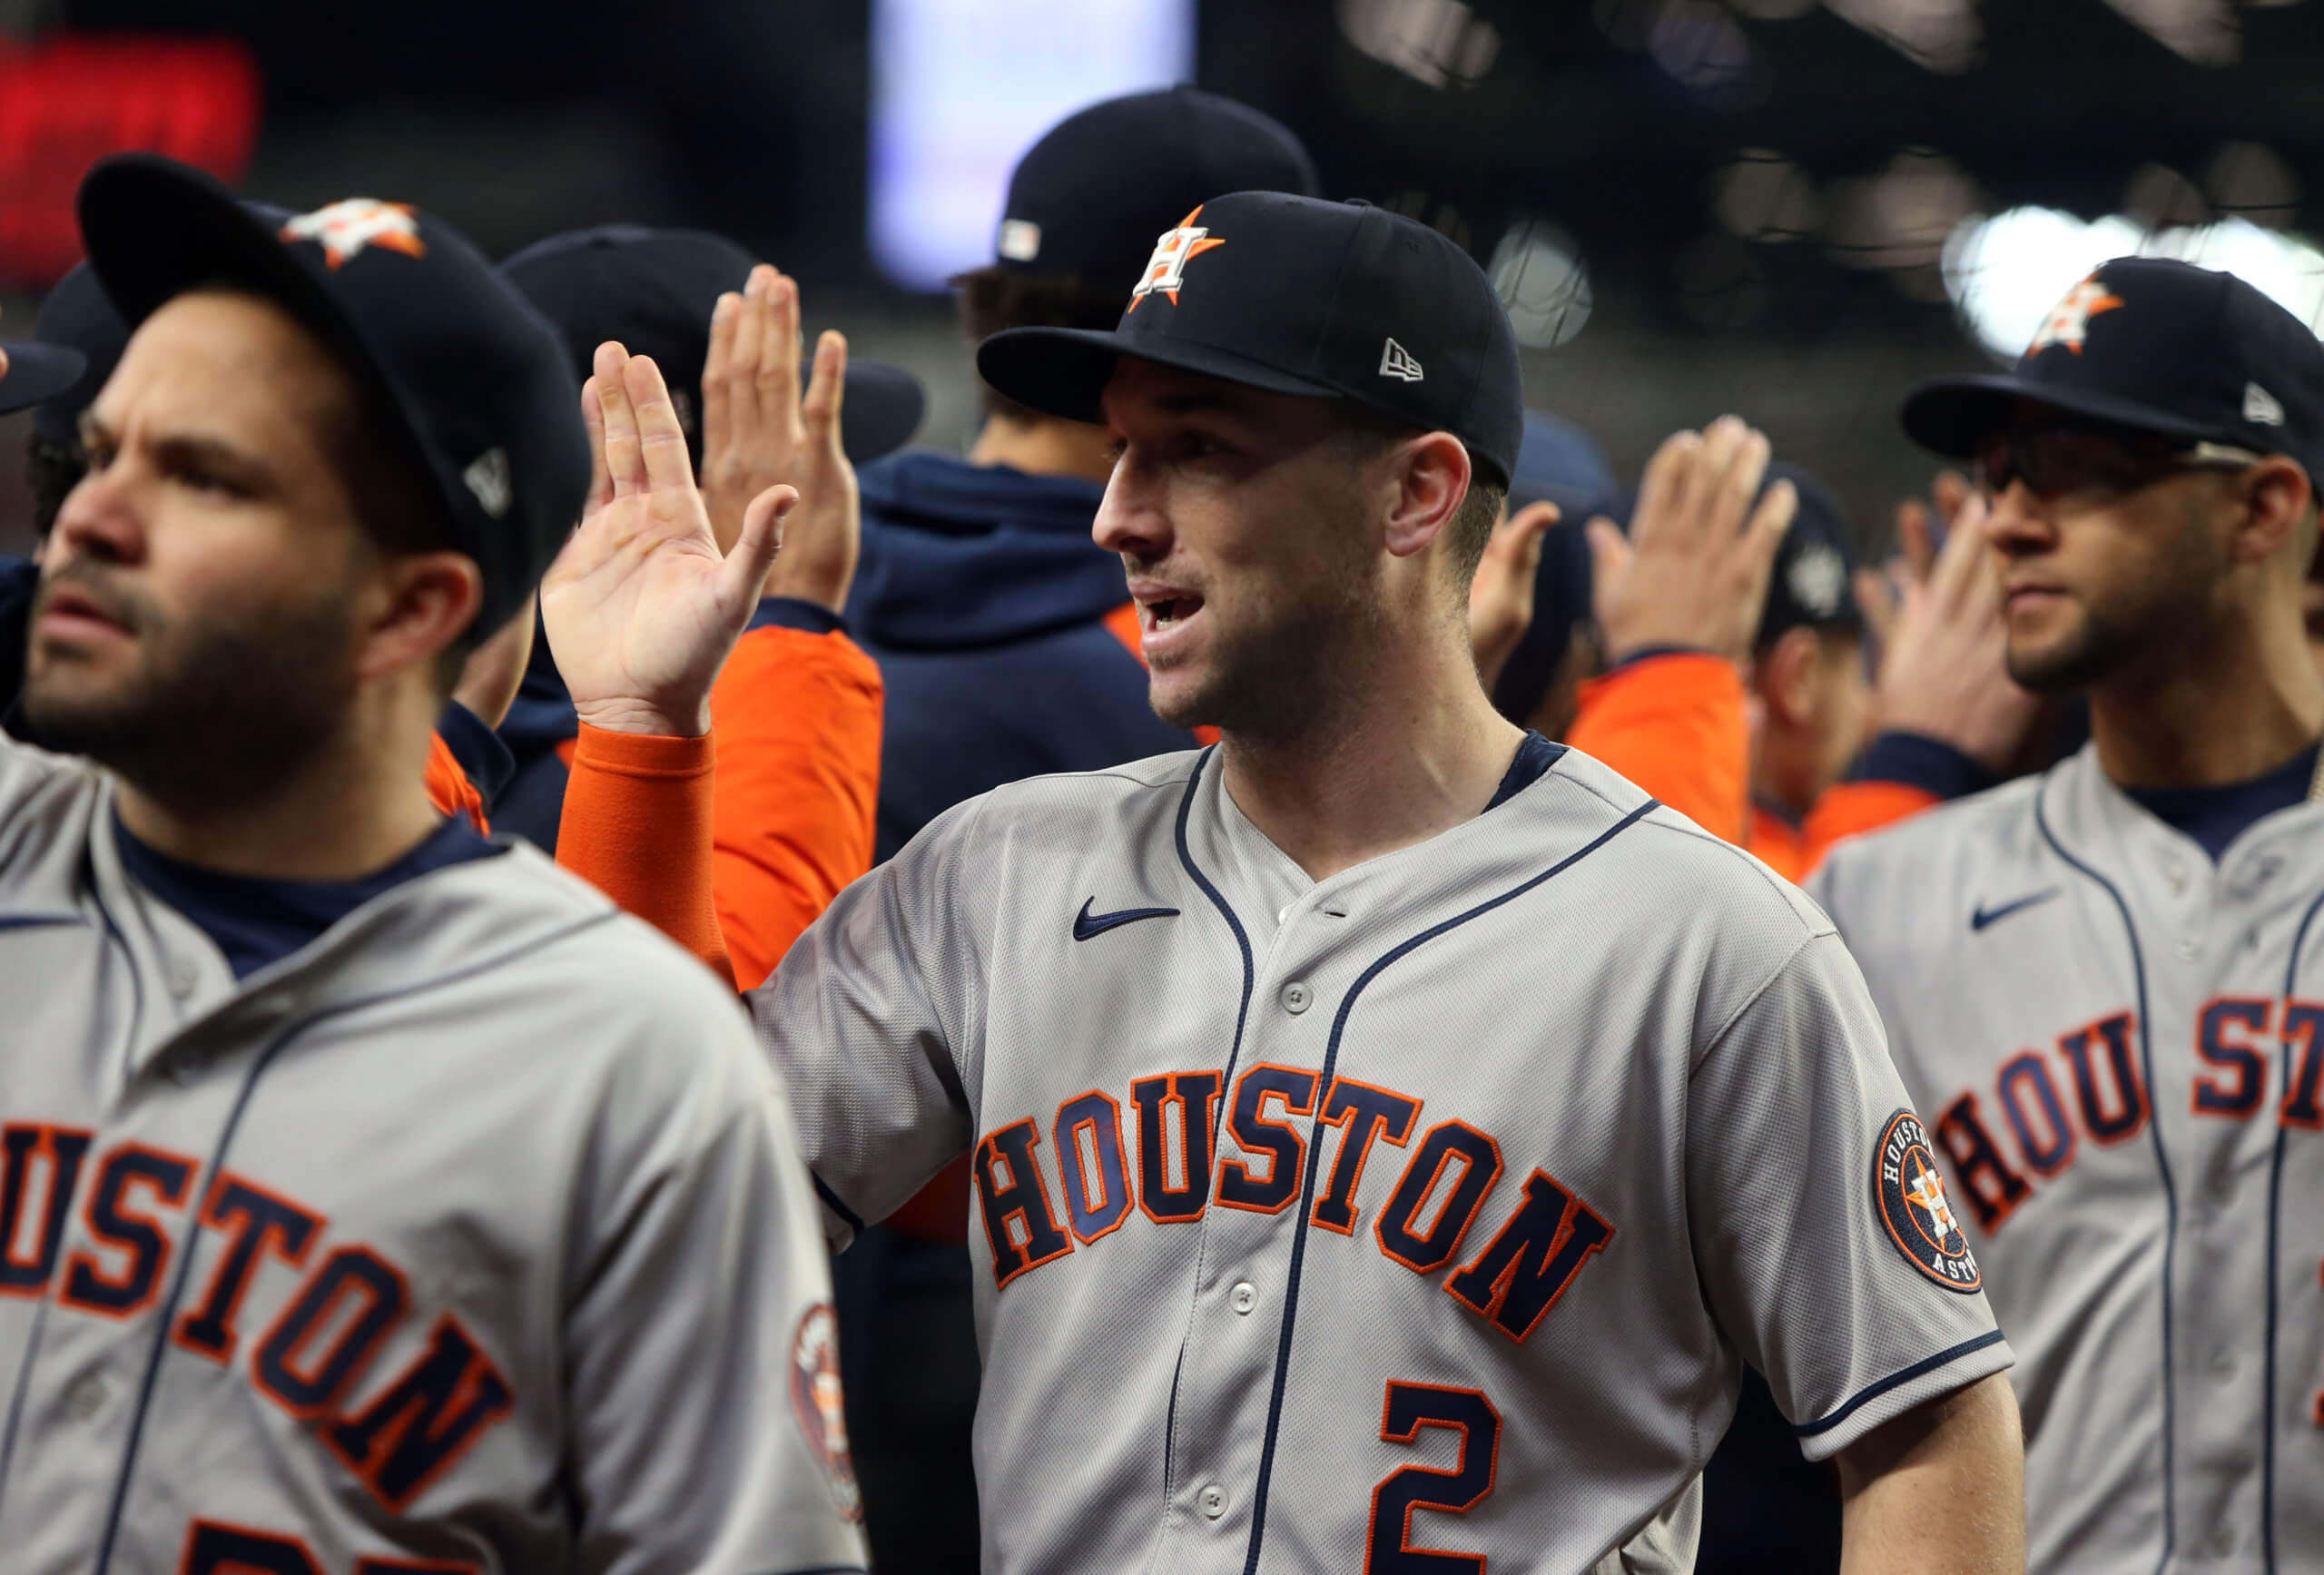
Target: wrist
{"x":639,"y":716}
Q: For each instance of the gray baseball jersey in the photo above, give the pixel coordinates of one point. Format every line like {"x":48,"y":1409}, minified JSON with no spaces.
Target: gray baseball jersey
{"x":470,"y":1237}
{"x":1412,"y":1218}
{"x":2116,"y":1045}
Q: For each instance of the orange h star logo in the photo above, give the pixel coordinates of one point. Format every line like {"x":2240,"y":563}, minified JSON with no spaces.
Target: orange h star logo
{"x":1166,"y":270}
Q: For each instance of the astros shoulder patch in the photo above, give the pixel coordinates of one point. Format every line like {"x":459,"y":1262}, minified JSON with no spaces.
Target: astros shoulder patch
{"x":1908,"y":1195}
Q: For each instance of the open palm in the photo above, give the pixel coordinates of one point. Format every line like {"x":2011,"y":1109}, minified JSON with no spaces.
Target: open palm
{"x":641,"y":607}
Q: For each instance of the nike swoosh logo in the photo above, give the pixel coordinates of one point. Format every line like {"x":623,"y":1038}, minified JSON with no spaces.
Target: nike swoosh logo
{"x":1086,"y":924}
{"x":1981,"y":916}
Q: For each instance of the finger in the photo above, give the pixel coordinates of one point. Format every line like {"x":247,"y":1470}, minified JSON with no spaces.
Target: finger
{"x":828,"y":390}
{"x":1730,"y":506}
{"x":717,"y":367}
{"x":625,"y":462}
{"x":1951,"y":489}
{"x":1875,"y":598}
{"x":1764,"y":533}
{"x":1668,"y":474}
{"x":1529,"y":532}
{"x":1914,"y":550}
{"x":778,"y":371}
{"x":593,"y":417}
{"x":747,"y":409}
{"x":1956,"y":561}
{"x":661,"y":440}
{"x":1611,"y":552}
{"x":743,"y":574}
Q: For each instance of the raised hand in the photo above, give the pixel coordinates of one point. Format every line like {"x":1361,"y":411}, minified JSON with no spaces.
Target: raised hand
{"x":757,"y":431}
{"x":1693,"y":571}
{"x":1500,"y":597}
{"x":642,"y":606}
{"x":1943,"y":669}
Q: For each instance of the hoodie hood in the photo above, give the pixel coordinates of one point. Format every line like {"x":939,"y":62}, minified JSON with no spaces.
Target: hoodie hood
{"x":959,"y":556}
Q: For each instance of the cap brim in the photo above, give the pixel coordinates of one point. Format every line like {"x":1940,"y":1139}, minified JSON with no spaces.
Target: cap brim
{"x":37,"y":372}
{"x":1063,"y":371}
{"x":880,"y":409}
{"x":1951,"y":415}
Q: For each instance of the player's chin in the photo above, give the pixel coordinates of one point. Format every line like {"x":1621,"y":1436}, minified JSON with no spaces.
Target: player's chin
{"x":1180,"y":694}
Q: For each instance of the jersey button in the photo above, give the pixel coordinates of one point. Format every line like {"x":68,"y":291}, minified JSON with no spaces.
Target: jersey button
{"x":1213,"y":1499}
{"x":86,"y":1397}
{"x":2176,"y":876}
{"x":2222,"y":1361}
{"x":1243,"y":1298}
{"x":182,"y":976}
{"x":2191,"y":946}
{"x":1298,"y":998}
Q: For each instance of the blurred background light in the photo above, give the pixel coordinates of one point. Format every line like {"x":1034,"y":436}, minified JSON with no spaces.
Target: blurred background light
{"x":1763,"y":196}
{"x":1441,"y":42}
{"x":2005,"y":272}
{"x":1942,"y":34}
{"x":960,"y":88}
{"x":1700,"y":43}
{"x":2202,"y":31}
{"x":1539,"y":272}
{"x":1901,"y":217}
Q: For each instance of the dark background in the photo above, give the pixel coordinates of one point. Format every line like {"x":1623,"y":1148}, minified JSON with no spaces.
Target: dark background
{"x":1759,"y":189}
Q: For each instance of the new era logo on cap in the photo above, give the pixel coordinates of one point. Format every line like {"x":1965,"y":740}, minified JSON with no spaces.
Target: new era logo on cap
{"x":1166,"y":270}
{"x":490,"y":480}
{"x":2261,"y":406}
{"x":1396,"y":361}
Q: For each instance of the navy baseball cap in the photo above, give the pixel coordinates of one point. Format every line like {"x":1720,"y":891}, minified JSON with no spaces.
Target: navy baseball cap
{"x":1813,"y":583}
{"x":1557,"y":462}
{"x":37,"y":372}
{"x":2156,"y":346}
{"x":77,"y":316}
{"x":654,"y":290}
{"x":1297,"y":296}
{"x":1088,"y":198}
{"x":475,"y":382}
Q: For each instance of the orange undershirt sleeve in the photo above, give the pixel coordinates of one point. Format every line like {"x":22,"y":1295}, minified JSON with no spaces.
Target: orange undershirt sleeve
{"x":1675,"y":725}
{"x":636,"y":826}
{"x":449,"y":788}
{"x":797,"y":714}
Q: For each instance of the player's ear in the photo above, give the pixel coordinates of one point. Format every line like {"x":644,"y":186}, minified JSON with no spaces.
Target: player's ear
{"x":2276,"y":496}
{"x":418,"y":605}
{"x":1431,"y":474}
{"x":1787,"y":671}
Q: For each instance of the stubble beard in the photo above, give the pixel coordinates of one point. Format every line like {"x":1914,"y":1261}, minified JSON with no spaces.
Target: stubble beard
{"x":214,"y":714}
{"x":1290,"y":679}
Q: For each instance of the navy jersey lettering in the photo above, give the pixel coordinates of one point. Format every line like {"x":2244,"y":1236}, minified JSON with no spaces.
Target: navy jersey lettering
{"x":1993,"y":1188}
{"x":1188,"y":1101}
{"x":1362,"y":1112}
{"x":1014,"y":1202}
{"x":2106,"y":1079}
{"x":330,"y":1330}
{"x":425,"y":1420}
{"x":2305,"y":1048}
{"x":1424,"y":1248}
{"x":1089,"y":1136}
{"x":120,"y":1223}
{"x":2237,"y":1078}
{"x":40,"y":1166}
{"x":1517,"y":1280}
{"x":2028,"y":1098}
{"x":257,"y":1225}
{"x":1409,"y":1407}
{"x":1278,"y":1143}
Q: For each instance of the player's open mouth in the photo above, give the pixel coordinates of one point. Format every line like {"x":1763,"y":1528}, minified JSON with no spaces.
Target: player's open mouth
{"x":1164,"y":612}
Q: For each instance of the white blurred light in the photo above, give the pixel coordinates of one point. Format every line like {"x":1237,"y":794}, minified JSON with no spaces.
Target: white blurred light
{"x":2254,"y":182}
{"x":960,"y":89}
{"x":1539,"y":273}
{"x":2005,"y":272}
{"x":1702,"y":44}
{"x":1941,"y":34}
{"x":1439,"y":41}
{"x":2202,"y":31}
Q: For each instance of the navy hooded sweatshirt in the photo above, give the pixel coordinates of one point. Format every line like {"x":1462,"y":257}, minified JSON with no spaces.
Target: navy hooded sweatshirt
{"x":982,"y":598}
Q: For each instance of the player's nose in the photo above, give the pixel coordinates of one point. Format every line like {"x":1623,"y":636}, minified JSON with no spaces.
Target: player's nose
{"x":99,"y":520}
{"x":1131,"y":520}
{"x":2016,"y":522}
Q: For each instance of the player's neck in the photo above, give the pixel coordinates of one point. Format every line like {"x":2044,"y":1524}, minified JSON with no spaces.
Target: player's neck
{"x":2246,"y":705}
{"x":1044,"y":448}
{"x":347,"y":812}
{"x":1415,"y":751}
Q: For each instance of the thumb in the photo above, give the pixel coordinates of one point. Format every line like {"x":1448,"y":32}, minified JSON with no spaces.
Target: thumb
{"x":1524,"y":536}
{"x":1610,"y":550}
{"x":745,"y":572}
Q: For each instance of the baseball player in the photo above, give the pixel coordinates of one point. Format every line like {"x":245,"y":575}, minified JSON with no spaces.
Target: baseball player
{"x":374,"y":1199}
{"x":1299,"y":1244}
{"x":2102,"y":982}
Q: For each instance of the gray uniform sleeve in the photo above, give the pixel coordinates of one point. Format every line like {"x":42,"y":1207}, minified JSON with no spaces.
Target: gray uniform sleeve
{"x":873,"y":1017}
{"x":1819,"y":1240}
{"x":703,"y":1392}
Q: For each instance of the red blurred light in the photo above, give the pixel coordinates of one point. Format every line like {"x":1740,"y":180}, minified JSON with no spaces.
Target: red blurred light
{"x":66,"y":103}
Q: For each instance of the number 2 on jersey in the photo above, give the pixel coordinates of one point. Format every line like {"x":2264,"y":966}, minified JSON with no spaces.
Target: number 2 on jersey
{"x":1410,"y":1407}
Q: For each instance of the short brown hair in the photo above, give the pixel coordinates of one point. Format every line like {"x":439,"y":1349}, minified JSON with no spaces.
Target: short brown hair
{"x":993,"y":298}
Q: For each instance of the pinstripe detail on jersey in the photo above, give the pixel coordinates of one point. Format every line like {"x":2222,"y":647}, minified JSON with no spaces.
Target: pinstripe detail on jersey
{"x":1316,"y":1148}
{"x":2161,"y":1160}
{"x":2275,"y":1214}
{"x":1895,"y":1380}
{"x":1225,"y":1080}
